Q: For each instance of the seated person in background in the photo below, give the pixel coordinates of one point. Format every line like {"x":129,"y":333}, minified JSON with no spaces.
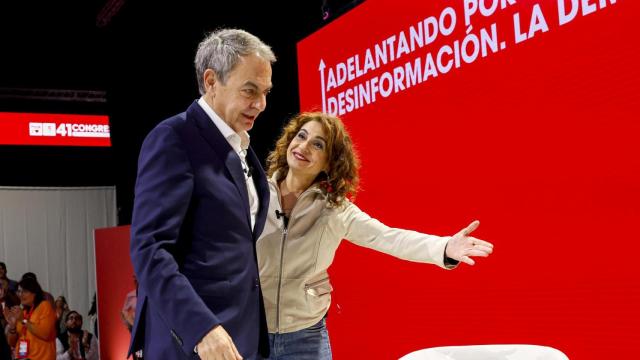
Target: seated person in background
{"x":128,"y":312}
{"x":13,"y":285}
{"x":62,"y":309}
{"x":76,"y":343}
{"x":93,"y":316}
{"x":7,"y":296}
{"x":7,"y":300}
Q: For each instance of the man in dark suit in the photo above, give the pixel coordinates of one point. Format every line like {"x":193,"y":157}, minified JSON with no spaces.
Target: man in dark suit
{"x":200,"y":204}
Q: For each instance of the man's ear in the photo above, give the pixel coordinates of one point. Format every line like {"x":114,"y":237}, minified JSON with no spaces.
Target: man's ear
{"x":210,"y":80}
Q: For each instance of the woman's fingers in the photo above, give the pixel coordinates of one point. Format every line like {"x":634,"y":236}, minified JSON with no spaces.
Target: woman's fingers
{"x":471,"y":227}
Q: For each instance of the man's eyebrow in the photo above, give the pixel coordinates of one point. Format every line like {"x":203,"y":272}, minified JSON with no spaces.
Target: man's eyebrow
{"x":255,"y":86}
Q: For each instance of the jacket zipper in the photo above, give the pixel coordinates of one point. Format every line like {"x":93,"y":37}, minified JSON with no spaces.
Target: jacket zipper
{"x":315,"y":283}
{"x":285,"y":231}
{"x":284,"y":238}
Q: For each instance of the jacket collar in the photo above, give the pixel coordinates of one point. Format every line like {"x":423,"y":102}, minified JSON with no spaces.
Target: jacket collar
{"x":221,"y":146}
{"x":262,"y":188}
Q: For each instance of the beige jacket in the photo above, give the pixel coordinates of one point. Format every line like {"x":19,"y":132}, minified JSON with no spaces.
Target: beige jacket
{"x":293,"y":261}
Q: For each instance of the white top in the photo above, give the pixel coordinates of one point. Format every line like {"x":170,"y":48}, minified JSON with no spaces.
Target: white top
{"x":239,"y":143}
{"x":92,"y":354}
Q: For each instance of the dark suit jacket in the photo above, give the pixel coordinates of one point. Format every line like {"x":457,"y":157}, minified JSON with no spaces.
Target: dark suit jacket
{"x":192,"y":247}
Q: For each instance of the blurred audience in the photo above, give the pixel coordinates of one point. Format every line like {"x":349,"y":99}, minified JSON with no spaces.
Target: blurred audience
{"x":13,"y":285}
{"x":7,"y":300}
{"x":62,"y":309}
{"x":36,"y":327}
{"x":128,"y":312}
{"x":93,"y":315}
{"x":31,"y":330}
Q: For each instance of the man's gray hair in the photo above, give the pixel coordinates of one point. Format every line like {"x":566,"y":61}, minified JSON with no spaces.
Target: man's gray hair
{"x":221,"y":50}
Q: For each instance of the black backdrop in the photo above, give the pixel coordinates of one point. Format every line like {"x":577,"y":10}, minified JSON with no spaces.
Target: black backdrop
{"x":143,"y":59}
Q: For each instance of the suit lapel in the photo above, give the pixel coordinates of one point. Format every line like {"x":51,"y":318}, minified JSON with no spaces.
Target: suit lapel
{"x":262,"y":188}
{"x":221,"y":146}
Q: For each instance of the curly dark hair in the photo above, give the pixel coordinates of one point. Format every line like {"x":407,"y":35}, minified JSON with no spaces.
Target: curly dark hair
{"x":342,"y":179}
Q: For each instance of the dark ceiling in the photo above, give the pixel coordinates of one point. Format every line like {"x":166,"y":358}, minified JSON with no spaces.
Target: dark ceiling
{"x":140,"y":53}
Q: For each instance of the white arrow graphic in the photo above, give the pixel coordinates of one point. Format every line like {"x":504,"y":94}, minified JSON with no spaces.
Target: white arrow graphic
{"x":324,"y":101}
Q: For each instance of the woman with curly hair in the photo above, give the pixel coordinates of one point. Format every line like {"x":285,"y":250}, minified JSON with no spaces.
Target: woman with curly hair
{"x":313,"y":172}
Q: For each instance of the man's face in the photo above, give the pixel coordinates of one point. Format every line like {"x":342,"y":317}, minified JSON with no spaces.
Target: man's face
{"x":244,"y":95}
{"x":74,"y":322}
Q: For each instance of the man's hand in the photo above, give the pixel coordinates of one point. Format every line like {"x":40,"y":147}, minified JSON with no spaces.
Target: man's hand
{"x":217,"y":344}
{"x":74,"y":347}
{"x":461,"y":246}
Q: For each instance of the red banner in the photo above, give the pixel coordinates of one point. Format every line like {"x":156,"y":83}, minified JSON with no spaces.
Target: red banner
{"x":116,"y":290}
{"x":54,"y":129}
{"x":522,"y":114}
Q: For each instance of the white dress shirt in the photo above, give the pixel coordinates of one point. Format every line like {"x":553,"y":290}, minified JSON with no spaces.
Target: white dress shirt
{"x":240,"y":144}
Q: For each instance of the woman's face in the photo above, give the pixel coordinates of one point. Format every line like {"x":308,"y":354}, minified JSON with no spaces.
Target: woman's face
{"x":26,"y":297}
{"x":307,"y":152}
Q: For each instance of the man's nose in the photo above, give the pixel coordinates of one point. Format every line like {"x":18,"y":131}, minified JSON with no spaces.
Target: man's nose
{"x":260,"y":103}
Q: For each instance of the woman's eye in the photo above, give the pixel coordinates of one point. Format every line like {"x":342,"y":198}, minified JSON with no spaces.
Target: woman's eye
{"x":301,"y":135}
{"x":319,"y":145}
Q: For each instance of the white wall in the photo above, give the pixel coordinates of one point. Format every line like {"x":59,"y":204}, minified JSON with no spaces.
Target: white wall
{"x":49,"y":231}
